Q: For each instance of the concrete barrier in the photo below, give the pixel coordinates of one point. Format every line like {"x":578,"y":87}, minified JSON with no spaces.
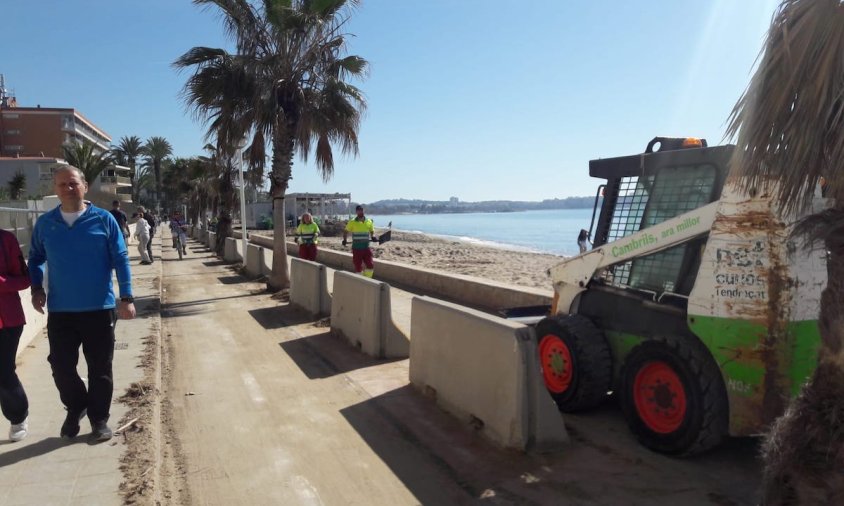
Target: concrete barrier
{"x":231,"y":250}
{"x":254,"y":260}
{"x":35,"y":322}
{"x":361,"y":313}
{"x":212,"y":241}
{"x":485,"y":370}
{"x":309,"y":287}
{"x":469,"y":290}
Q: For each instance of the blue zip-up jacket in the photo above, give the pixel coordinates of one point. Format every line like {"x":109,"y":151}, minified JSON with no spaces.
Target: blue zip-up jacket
{"x":80,"y":259}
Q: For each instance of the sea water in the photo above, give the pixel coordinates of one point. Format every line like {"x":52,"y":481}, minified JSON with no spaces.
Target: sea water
{"x":546,"y":231}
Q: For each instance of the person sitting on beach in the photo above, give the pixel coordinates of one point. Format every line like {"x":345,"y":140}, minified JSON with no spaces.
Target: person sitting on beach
{"x":583,"y":241}
{"x":363,"y":231}
{"x":308,"y":232}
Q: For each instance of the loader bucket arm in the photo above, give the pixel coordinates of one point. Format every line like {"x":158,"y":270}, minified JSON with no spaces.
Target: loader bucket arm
{"x":572,"y":276}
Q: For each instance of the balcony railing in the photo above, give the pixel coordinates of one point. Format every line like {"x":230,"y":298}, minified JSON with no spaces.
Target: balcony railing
{"x":118,"y":180}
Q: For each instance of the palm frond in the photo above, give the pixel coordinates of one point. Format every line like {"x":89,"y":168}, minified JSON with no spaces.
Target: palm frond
{"x":789,"y":122}
{"x":84,"y":157}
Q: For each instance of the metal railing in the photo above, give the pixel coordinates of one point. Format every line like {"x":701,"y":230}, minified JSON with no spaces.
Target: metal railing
{"x":116,"y":180}
{"x":20,"y":221}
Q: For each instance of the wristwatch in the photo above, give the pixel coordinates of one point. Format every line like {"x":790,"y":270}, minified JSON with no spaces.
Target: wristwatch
{"x":127,"y":299}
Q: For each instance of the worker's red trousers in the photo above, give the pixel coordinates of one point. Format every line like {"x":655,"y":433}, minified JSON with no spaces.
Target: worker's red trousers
{"x":307,"y":252}
{"x":360,"y":257}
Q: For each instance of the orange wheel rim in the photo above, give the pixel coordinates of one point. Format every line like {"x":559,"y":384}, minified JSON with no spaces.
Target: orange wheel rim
{"x":557,"y":368}
{"x":660,"y":397}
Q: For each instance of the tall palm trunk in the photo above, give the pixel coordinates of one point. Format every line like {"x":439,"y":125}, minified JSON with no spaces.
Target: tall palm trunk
{"x":224,"y":221}
{"x":804,"y":453}
{"x":157,"y":169}
{"x":283,"y":150}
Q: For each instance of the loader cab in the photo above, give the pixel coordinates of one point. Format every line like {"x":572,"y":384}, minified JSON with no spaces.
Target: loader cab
{"x":671,"y":177}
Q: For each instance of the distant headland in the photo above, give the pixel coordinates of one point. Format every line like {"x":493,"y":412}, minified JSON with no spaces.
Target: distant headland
{"x":454,"y":205}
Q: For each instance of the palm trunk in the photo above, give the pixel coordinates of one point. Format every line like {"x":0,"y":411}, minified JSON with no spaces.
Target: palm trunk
{"x":804,"y":453}
{"x":132,"y":179}
{"x":157,"y":168}
{"x":279,"y":279}
{"x":224,"y":222}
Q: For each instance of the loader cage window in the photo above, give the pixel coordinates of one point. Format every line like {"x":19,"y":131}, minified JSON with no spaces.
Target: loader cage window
{"x":674,"y":191}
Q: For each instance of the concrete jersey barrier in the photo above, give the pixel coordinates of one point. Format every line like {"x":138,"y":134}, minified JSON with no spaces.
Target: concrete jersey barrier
{"x":254,"y":260}
{"x":309,"y":287}
{"x":231,"y":250}
{"x":484,"y":370}
{"x":362,"y":314}
{"x":469,"y":290}
{"x":477,"y":292}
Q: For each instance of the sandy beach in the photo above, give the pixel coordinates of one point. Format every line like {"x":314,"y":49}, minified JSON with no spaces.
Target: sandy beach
{"x":515,"y":267}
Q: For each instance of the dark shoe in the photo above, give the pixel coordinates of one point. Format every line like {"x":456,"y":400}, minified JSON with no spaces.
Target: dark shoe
{"x":185,"y":251}
{"x":100,"y":431}
{"x":70,"y":427}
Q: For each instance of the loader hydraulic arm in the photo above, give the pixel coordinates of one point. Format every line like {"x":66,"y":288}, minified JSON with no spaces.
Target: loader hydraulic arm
{"x":571,"y":276}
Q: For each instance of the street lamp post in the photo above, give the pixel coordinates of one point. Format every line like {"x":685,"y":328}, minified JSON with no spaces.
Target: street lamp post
{"x":242,"y":199}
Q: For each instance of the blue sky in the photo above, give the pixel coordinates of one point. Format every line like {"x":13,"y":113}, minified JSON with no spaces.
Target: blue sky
{"x":478,"y":99}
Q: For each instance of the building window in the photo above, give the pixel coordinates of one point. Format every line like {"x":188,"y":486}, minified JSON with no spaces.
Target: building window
{"x":10,"y":116}
{"x":13,"y":147}
{"x":13,"y":132}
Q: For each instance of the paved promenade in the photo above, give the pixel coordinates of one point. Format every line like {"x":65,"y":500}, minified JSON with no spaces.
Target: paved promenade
{"x":262,"y":405}
{"x":44,"y":469}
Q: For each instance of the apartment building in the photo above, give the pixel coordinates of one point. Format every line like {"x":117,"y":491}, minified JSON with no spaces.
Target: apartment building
{"x":37,"y":170}
{"x":40,"y":133}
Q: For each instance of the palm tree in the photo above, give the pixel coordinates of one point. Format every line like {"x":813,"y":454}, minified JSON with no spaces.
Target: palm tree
{"x":202,"y":183}
{"x":144,"y":180}
{"x":176,"y":181}
{"x":208,"y":174}
{"x":790,"y":127}
{"x":16,"y":185}
{"x":84,"y":157}
{"x":156,"y":150}
{"x":131,"y":148}
{"x":287,"y":85}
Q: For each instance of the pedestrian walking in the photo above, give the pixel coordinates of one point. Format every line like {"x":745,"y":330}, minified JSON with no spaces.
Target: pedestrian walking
{"x":363,"y":231}
{"x":81,"y":245}
{"x":150,"y":218}
{"x":122,"y":220}
{"x":583,"y":241}
{"x":142,"y":230}
{"x":13,"y":278}
{"x":178,"y":230}
{"x":307,"y":235}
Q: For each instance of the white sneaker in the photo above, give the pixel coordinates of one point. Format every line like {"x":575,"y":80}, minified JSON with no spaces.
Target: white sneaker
{"x":18,"y":431}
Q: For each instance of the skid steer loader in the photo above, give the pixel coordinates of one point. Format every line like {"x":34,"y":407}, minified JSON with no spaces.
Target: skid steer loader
{"x":695,"y":306}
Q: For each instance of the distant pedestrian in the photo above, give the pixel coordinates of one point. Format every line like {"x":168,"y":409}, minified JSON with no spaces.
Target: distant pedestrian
{"x":142,"y":230}
{"x":13,"y":278}
{"x":583,"y":241}
{"x":122,"y":220}
{"x":178,"y":230}
{"x":307,"y":235}
{"x":363,"y":231}
{"x":81,"y":245}
{"x":152,"y":227}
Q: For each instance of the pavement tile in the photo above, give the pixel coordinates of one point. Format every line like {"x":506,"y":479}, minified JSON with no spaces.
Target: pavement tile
{"x":102,"y":485}
{"x":40,"y":494}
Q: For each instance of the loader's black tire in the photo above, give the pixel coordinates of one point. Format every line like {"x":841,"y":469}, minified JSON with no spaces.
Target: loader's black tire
{"x":576,"y":361}
{"x":673,"y":396}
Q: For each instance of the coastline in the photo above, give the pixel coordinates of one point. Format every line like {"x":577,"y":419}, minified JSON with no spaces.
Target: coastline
{"x":461,"y":256}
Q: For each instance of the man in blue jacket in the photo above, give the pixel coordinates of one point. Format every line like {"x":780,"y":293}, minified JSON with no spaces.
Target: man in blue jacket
{"x":81,"y":245}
